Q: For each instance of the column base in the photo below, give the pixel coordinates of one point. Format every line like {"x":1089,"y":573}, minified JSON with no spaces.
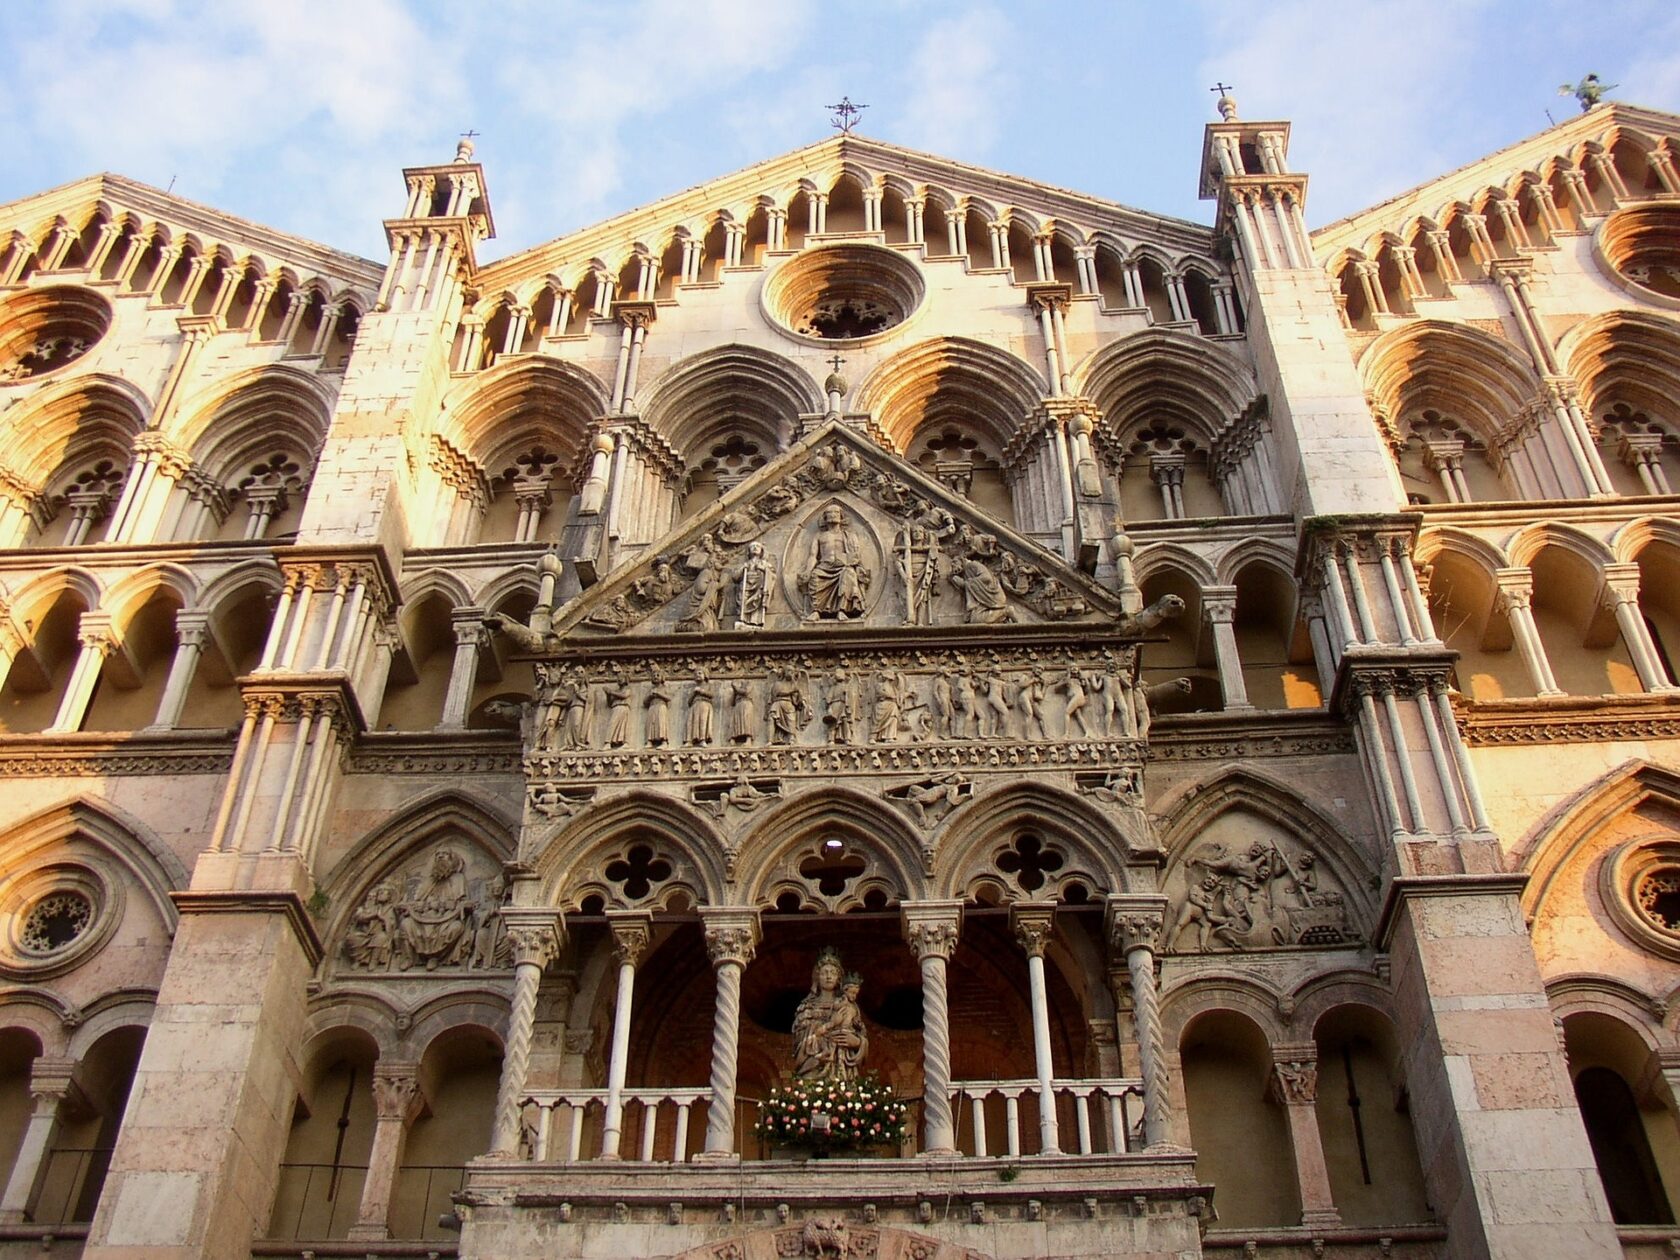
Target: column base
{"x":1322,"y":1218}
{"x":1168,"y":1149}
{"x":13,"y":1216}
{"x":716,"y":1157}
{"x":940,"y":1152}
{"x":368,"y":1233}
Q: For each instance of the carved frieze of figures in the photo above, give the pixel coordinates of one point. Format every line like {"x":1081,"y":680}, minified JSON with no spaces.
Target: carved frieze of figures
{"x":556,"y":802}
{"x":1258,"y":896}
{"x":440,"y":913}
{"x":854,"y":699}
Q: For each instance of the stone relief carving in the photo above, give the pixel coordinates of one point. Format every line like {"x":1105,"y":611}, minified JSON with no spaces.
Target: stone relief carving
{"x":836,"y":576}
{"x":943,"y":570}
{"x":929,"y":800}
{"x":742,"y":794}
{"x":869,"y":700}
{"x":438,"y":913}
{"x":1260,"y":897}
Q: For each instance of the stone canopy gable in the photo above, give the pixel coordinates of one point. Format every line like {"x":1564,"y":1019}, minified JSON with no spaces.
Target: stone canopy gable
{"x":837,"y":534}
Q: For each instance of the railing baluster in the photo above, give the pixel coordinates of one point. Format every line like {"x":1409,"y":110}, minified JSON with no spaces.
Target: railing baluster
{"x":578,"y":1106}
{"x":679,"y":1139}
{"x":650,"y":1125}
{"x":545,"y":1119}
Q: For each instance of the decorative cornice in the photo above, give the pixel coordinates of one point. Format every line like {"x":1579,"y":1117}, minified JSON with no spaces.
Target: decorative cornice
{"x":1403,"y":888}
{"x":1568,"y":719}
{"x":286,"y":904}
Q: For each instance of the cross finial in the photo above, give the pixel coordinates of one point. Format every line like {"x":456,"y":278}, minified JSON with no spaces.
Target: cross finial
{"x":845,"y":115}
{"x":464,"y":148}
{"x":1226,"y":105}
{"x":836,"y":361}
{"x":468,"y":134}
{"x":1221,"y":88}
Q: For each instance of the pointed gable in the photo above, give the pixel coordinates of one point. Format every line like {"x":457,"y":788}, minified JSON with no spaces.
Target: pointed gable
{"x":837,"y":533}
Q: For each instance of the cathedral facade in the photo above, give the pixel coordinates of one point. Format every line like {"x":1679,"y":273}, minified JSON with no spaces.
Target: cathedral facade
{"x":870,"y":708}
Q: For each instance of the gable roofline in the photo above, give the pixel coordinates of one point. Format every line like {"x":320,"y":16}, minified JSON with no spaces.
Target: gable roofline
{"x":178,"y":211}
{"x":570,"y":618}
{"x":651,"y":221}
{"x":1356,"y":227}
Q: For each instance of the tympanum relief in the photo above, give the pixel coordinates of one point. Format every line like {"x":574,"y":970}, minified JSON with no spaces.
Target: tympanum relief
{"x":835,"y":537}
{"x":1263,"y":894}
{"x":435,"y":912}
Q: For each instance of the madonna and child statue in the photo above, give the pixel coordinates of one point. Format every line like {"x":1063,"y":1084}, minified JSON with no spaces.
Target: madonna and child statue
{"x":831,"y":1104}
{"x":829,"y":1038}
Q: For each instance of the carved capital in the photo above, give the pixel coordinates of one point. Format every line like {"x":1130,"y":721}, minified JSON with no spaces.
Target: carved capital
{"x":1135,"y":921}
{"x":931,"y":928}
{"x":1295,"y":1081}
{"x":396,"y":1092}
{"x":631,"y":932}
{"x":533,"y":935}
{"x":1034,"y":922}
{"x":731,"y":935}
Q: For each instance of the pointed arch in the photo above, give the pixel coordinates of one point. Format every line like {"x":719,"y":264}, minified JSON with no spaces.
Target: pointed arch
{"x":1188,"y":812}
{"x":859,"y":821}
{"x":732,"y":390}
{"x":506,"y":407}
{"x":133,"y":591}
{"x":137,"y":850}
{"x":1461,"y":371}
{"x":1531,"y":540}
{"x":1626,"y":356}
{"x":1448,"y":540}
{"x":1171,"y":556}
{"x":1163,"y":374}
{"x":972,"y":840}
{"x":573,"y":857}
{"x":446,"y":812}
{"x":243,"y":416}
{"x":1581,"y":817}
{"x":988,"y":388}
{"x":87,"y":417}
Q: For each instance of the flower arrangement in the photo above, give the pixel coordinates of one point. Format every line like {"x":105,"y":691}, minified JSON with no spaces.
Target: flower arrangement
{"x":834,"y":1115}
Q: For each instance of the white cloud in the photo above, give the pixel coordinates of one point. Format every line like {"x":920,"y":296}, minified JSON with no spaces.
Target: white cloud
{"x":960,"y":84}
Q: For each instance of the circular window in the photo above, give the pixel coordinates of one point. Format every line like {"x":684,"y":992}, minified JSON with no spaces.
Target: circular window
{"x":55,"y":918}
{"x":848,"y":293}
{"x":1641,"y":245}
{"x":43,"y":330}
{"x":55,"y":921}
{"x":1641,"y":887}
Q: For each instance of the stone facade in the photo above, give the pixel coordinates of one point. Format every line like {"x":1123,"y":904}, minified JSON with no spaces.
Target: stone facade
{"x":1212,"y":684}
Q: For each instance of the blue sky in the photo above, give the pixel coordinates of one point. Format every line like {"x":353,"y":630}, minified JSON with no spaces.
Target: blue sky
{"x":300,"y":113}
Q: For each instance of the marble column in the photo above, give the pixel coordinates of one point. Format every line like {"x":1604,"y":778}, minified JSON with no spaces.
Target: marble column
{"x":1219,"y":607}
{"x":1516,"y":595}
{"x":1621,"y":597}
{"x":732,"y":936}
{"x":1294,"y":1083}
{"x":471,"y":636}
{"x":631,"y":931}
{"x":1033,"y":923}
{"x":98,"y":638}
{"x":931,"y":929}
{"x":53,"y":1092}
{"x":190,"y":631}
{"x":397,"y":1103}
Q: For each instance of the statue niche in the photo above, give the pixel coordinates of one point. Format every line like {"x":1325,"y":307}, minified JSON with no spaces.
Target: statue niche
{"x":438,"y":913}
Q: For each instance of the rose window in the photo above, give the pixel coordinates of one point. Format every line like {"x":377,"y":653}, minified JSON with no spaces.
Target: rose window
{"x":56,"y":921}
{"x":1658,"y":897}
{"x":43,"y":330}
{"x":846,"y":292}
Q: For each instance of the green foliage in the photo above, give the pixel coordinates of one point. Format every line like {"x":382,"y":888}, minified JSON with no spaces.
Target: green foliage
{"x":861,"y":1113}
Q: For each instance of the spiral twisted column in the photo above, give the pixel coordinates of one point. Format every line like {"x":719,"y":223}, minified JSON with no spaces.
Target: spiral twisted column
{"x":931,"y":929}
{"x":1134,"y":930}
{"x":731,"y":939}
{"x":534,"y":936}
